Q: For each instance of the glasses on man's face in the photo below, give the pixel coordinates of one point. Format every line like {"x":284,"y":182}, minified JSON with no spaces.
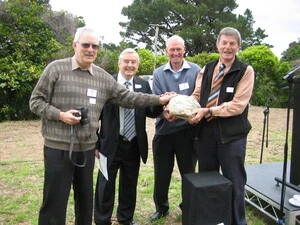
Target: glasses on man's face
{"x":87,"y":45}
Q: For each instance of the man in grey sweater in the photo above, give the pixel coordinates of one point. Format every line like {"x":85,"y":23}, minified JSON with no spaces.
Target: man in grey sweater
{"x":69,"y":133}
{"x":172,"y":139}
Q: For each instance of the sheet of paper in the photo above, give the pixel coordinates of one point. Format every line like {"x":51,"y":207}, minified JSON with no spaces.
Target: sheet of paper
{"x":103,"y":165}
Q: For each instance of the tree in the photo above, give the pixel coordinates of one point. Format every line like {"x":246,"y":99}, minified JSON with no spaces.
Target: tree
{"x":161,"y":60}
{"x":203,"y":58}
{"x":292,"y":54}
{"x":146,"y":61}
{"x":268,"y":72}
{"x":108,"y":60}
{"x":197,"y":21}
{"x":63,"y":24}
{"x":26,"y":45}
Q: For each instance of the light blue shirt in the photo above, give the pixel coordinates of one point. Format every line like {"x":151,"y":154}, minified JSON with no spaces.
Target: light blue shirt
{"x":177,"y":74}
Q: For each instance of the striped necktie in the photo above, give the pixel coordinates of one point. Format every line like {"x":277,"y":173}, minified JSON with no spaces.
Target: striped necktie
{"x":129,"y":121}
{"x":215,"y":90}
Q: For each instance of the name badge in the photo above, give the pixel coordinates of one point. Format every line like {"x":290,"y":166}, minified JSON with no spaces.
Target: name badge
{"x":92,"y":93}
{"x":184,"y":86}
{"x":92,"y":101}
{"x":229,"y":89}
{"x":137,"y":86}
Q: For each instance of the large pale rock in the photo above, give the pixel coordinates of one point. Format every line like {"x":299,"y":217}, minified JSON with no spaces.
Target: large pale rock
{"x":182,"y":106}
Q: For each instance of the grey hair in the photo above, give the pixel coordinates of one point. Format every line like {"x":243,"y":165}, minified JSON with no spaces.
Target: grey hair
{"x":230,"y":31}
{"x":85,"y":30}
{"x":129,"y":51}
{"x":176,"y":38}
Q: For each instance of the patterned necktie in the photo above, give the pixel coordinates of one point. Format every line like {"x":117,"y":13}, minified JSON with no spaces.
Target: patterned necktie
{"x":215,"y":90}
{"x":129,"y":122}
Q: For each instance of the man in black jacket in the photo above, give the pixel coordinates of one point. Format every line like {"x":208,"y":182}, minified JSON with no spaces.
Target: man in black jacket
{"x":122,"y":152}
{"x":224,"y":126}
{"x":224,"y":88}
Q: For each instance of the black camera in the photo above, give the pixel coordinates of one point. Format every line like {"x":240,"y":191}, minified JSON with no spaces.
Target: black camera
{"x":83,"y":113}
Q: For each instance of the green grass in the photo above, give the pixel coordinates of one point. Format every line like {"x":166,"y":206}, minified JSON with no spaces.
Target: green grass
{"x":21,"y":191}
{"x":21,"y":180}
{"x":21,"y":196}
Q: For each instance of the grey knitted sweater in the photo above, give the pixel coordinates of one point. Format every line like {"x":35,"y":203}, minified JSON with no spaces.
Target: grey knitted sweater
{"x":164,"y":81}
{"x":62,"y":88}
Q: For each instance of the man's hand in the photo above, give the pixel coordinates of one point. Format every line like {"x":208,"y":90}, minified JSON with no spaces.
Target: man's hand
{"x":69,"y":118}
{"x":199,"y":114}
{"x":165,"y":98}
{"x":167,"y":115}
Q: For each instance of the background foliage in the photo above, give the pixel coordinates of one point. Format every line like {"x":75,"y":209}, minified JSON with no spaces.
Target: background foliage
{"x":197,"y":21}
{"x":32,"y":35}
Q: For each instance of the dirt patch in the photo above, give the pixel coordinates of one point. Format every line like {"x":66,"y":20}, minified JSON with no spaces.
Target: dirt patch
{"x":22,"y":140}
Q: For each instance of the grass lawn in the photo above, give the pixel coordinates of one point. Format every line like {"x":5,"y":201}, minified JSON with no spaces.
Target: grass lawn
{"x":21,"y":171}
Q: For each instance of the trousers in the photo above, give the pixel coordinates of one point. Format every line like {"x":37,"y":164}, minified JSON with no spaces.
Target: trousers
{"x":165,"y":149}
{"x":60,"y":175}
{"x":214,"y":155}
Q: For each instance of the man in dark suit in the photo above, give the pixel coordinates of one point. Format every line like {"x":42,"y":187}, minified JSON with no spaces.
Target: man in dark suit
{"x":122,"y":153}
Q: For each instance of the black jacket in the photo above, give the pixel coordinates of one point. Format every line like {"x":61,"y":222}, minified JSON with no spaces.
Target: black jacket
{"x":234,"y":127}
{"x":110,"y":124}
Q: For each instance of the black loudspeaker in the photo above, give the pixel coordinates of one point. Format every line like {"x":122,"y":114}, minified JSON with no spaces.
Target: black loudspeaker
{"x":206,"y":199}
{"x":295,"y":154}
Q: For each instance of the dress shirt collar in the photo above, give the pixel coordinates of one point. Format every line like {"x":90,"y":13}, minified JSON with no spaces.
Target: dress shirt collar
{"x":121,"y":80}
{"x":227,"y":65}
{"x":75,"y":66}
{"x":185,"y":65}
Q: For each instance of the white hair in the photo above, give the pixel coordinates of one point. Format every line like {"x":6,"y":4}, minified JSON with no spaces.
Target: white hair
{"x":85,"y":30}
{"x":174,"y":38}
{"x":129,"y":51}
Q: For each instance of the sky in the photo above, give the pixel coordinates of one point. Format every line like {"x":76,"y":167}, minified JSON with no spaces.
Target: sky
{"x":279,"y":19}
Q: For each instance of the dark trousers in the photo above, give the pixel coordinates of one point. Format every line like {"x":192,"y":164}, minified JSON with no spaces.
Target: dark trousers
{"x":165,"y":149}
{"x":127,"y":162}
{"x":230,"y":157}
{"x":60,"y":174}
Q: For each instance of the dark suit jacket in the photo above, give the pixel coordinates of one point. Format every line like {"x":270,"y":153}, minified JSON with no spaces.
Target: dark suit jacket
{"x":110,"y":124}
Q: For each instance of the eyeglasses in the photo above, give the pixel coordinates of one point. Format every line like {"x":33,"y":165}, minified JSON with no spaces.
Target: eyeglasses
{"x":87,"y":45}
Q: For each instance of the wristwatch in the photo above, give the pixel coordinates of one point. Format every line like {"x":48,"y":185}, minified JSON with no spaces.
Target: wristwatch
{"x":209,"y":113}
